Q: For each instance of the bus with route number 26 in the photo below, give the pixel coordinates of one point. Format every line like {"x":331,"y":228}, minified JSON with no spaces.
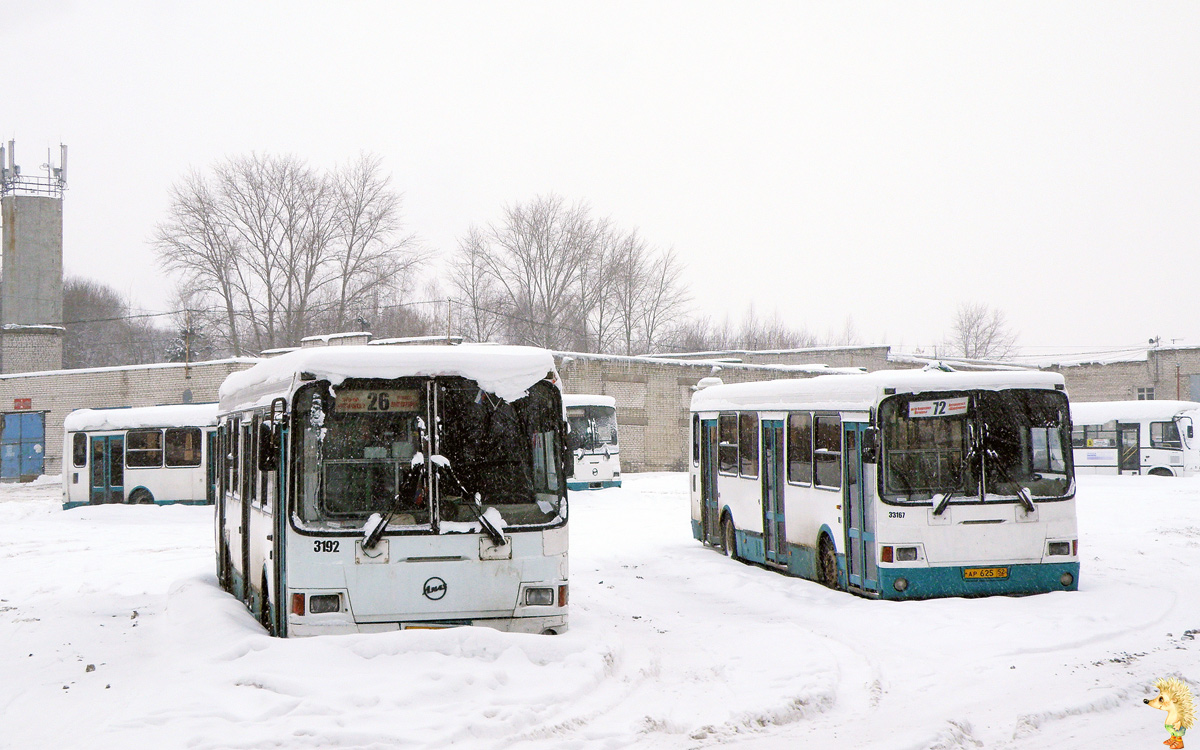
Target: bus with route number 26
{"x":892,"y":484}
{"x":373,"y":488}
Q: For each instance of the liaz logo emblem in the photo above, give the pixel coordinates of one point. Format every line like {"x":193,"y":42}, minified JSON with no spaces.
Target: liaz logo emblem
{"x":435,"y":588}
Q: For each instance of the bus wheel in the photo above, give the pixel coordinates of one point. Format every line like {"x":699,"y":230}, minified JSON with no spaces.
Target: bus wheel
{"x":264,"y":610}
{"x":728,"y":538}
{"x":827,"y":559}
{"x":141,"y":496}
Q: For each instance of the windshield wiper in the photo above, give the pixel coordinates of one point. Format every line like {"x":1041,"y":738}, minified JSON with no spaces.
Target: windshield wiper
{"x":945,"y":501}
{"x":374,"y":535}
{"x":476,"y":507}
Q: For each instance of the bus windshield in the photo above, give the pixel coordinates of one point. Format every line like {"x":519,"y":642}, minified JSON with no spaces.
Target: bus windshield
{"x":592,"y":427}
{"x":1009,"y":445}
{"x":364,"y":447}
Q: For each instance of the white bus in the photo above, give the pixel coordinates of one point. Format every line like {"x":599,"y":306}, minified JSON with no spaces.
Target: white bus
{"x":892,"y":484}
{"x":371,"y":488}
{"x":145,"y":454}
{"x":1135,"y":437}
{"x":593,"y":441}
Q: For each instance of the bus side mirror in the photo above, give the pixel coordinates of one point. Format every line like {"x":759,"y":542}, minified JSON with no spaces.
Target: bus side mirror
{"x":268,"y":447}
{"x":870,"y":446}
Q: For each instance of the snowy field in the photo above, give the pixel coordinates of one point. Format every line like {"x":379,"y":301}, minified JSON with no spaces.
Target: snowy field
{"x":115,"y":635}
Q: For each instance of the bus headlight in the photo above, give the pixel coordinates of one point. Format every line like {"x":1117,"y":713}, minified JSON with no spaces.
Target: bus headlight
{"x":1060,"y":548}
{"x":900,"y":584}
{"x":539,"y":597}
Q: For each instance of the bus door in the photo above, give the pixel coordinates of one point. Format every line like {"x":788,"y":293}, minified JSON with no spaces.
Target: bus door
{"x":858,"y":499}
{"x":1129,"y":449}
{"x":774,"y":536}
{"x":108,"y":469}
{"x":710,"y":510}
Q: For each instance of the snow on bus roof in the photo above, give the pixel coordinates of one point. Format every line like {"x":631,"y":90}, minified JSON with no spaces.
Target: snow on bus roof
{"x":170,"y":415}
{"x":862,"y":391}
{"x":1099,"y":412}
{"x":584,"y":399}
{"x":507,"y":371}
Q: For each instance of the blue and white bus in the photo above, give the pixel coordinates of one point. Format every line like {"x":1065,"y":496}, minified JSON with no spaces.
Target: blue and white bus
{"x":892,"y":484}
{"x":144,"y":454}
{"x":1136,"y":437}
{"x":593,"y":441}
{"x":372,"y":488}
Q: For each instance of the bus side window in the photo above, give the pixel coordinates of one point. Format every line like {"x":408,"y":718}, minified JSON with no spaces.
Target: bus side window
{"x":727,"y":450}
{"x":695,"y":439}
{"x":79,"y":450}
{"x":828,"y":452}
{"x":799,"y":449}
{"x":748,"y":444}
{"x":232,"y":456}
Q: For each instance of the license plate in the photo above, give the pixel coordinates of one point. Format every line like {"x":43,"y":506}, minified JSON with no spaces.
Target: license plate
{"x":985,"y":573}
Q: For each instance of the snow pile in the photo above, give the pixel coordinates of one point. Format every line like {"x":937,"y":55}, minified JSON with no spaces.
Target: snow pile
{"x":507,"y":371}
{"x":110,"y":615}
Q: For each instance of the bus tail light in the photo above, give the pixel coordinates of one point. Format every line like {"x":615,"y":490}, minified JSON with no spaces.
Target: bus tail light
{"x":562,"y":595}
{"x":298,"y":604}
{"x":885,"y":554}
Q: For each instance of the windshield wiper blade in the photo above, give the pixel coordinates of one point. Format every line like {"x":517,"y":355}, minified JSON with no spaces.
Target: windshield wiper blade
{"x":374,"y":535}
{"x":1026,"y":501}
{"x":945,"y":501}
{"x":476,"y":507}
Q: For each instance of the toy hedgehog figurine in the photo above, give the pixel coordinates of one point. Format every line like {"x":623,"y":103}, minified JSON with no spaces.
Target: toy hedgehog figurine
{"x":1174,"y":698}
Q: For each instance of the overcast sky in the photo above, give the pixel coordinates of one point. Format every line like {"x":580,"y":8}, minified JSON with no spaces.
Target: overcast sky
{"x":882,"y":162}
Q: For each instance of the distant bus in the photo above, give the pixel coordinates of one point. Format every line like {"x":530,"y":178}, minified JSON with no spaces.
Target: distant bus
{"x":593,"y":441}
{"x":1135,"y":437}
{"x":372,"y":488}
{"x":892,"y":484}
{"x":147,"y":454}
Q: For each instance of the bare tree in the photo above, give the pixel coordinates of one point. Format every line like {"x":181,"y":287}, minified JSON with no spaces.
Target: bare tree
{"x":476,"y":294}
{"x":102,"y":331}
{"x":281,"y":249}
{"x":981,"y":332}
{"x":753,"y":333}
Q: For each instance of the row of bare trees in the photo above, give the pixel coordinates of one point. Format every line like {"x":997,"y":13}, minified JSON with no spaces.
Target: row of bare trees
{"x":552,"y":274}
{"x":267,"y":250}
{"x":274,"y":250}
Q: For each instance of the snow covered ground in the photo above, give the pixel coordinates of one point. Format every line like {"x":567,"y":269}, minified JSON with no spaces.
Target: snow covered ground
{"x":115,"y":635}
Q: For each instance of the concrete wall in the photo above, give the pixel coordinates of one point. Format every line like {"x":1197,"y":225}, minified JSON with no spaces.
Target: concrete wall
{"x":653,"y":399}
{"x":31,"y":348}
{"x":33,"y":247}
{"x":60,"y":392}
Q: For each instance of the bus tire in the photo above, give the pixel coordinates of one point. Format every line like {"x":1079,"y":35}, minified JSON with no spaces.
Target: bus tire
{"x":827,"y":563}
{"x":141,"y":496}
{"x":264,"y":609}
{"x":729,"y":538}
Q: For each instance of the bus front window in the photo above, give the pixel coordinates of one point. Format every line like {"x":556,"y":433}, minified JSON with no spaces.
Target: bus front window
{"x":356,"y":454}
{"x":1027,"y":446}
{"x":506,"y":452}
{"x":593,"y":427}
{"x":926,"y":449}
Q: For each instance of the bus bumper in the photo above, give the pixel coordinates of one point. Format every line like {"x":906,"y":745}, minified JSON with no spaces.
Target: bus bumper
{"x":594,"y":485}
{"x":930,"y":582}
{"x":343,"y":624}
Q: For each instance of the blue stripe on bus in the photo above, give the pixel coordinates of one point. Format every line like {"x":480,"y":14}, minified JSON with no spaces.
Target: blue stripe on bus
{"x":588,"y":485}
{"x":1033,"y":578}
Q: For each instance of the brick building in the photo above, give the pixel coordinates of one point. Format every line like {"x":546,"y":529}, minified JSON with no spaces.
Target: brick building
{"x":34,"y":404}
